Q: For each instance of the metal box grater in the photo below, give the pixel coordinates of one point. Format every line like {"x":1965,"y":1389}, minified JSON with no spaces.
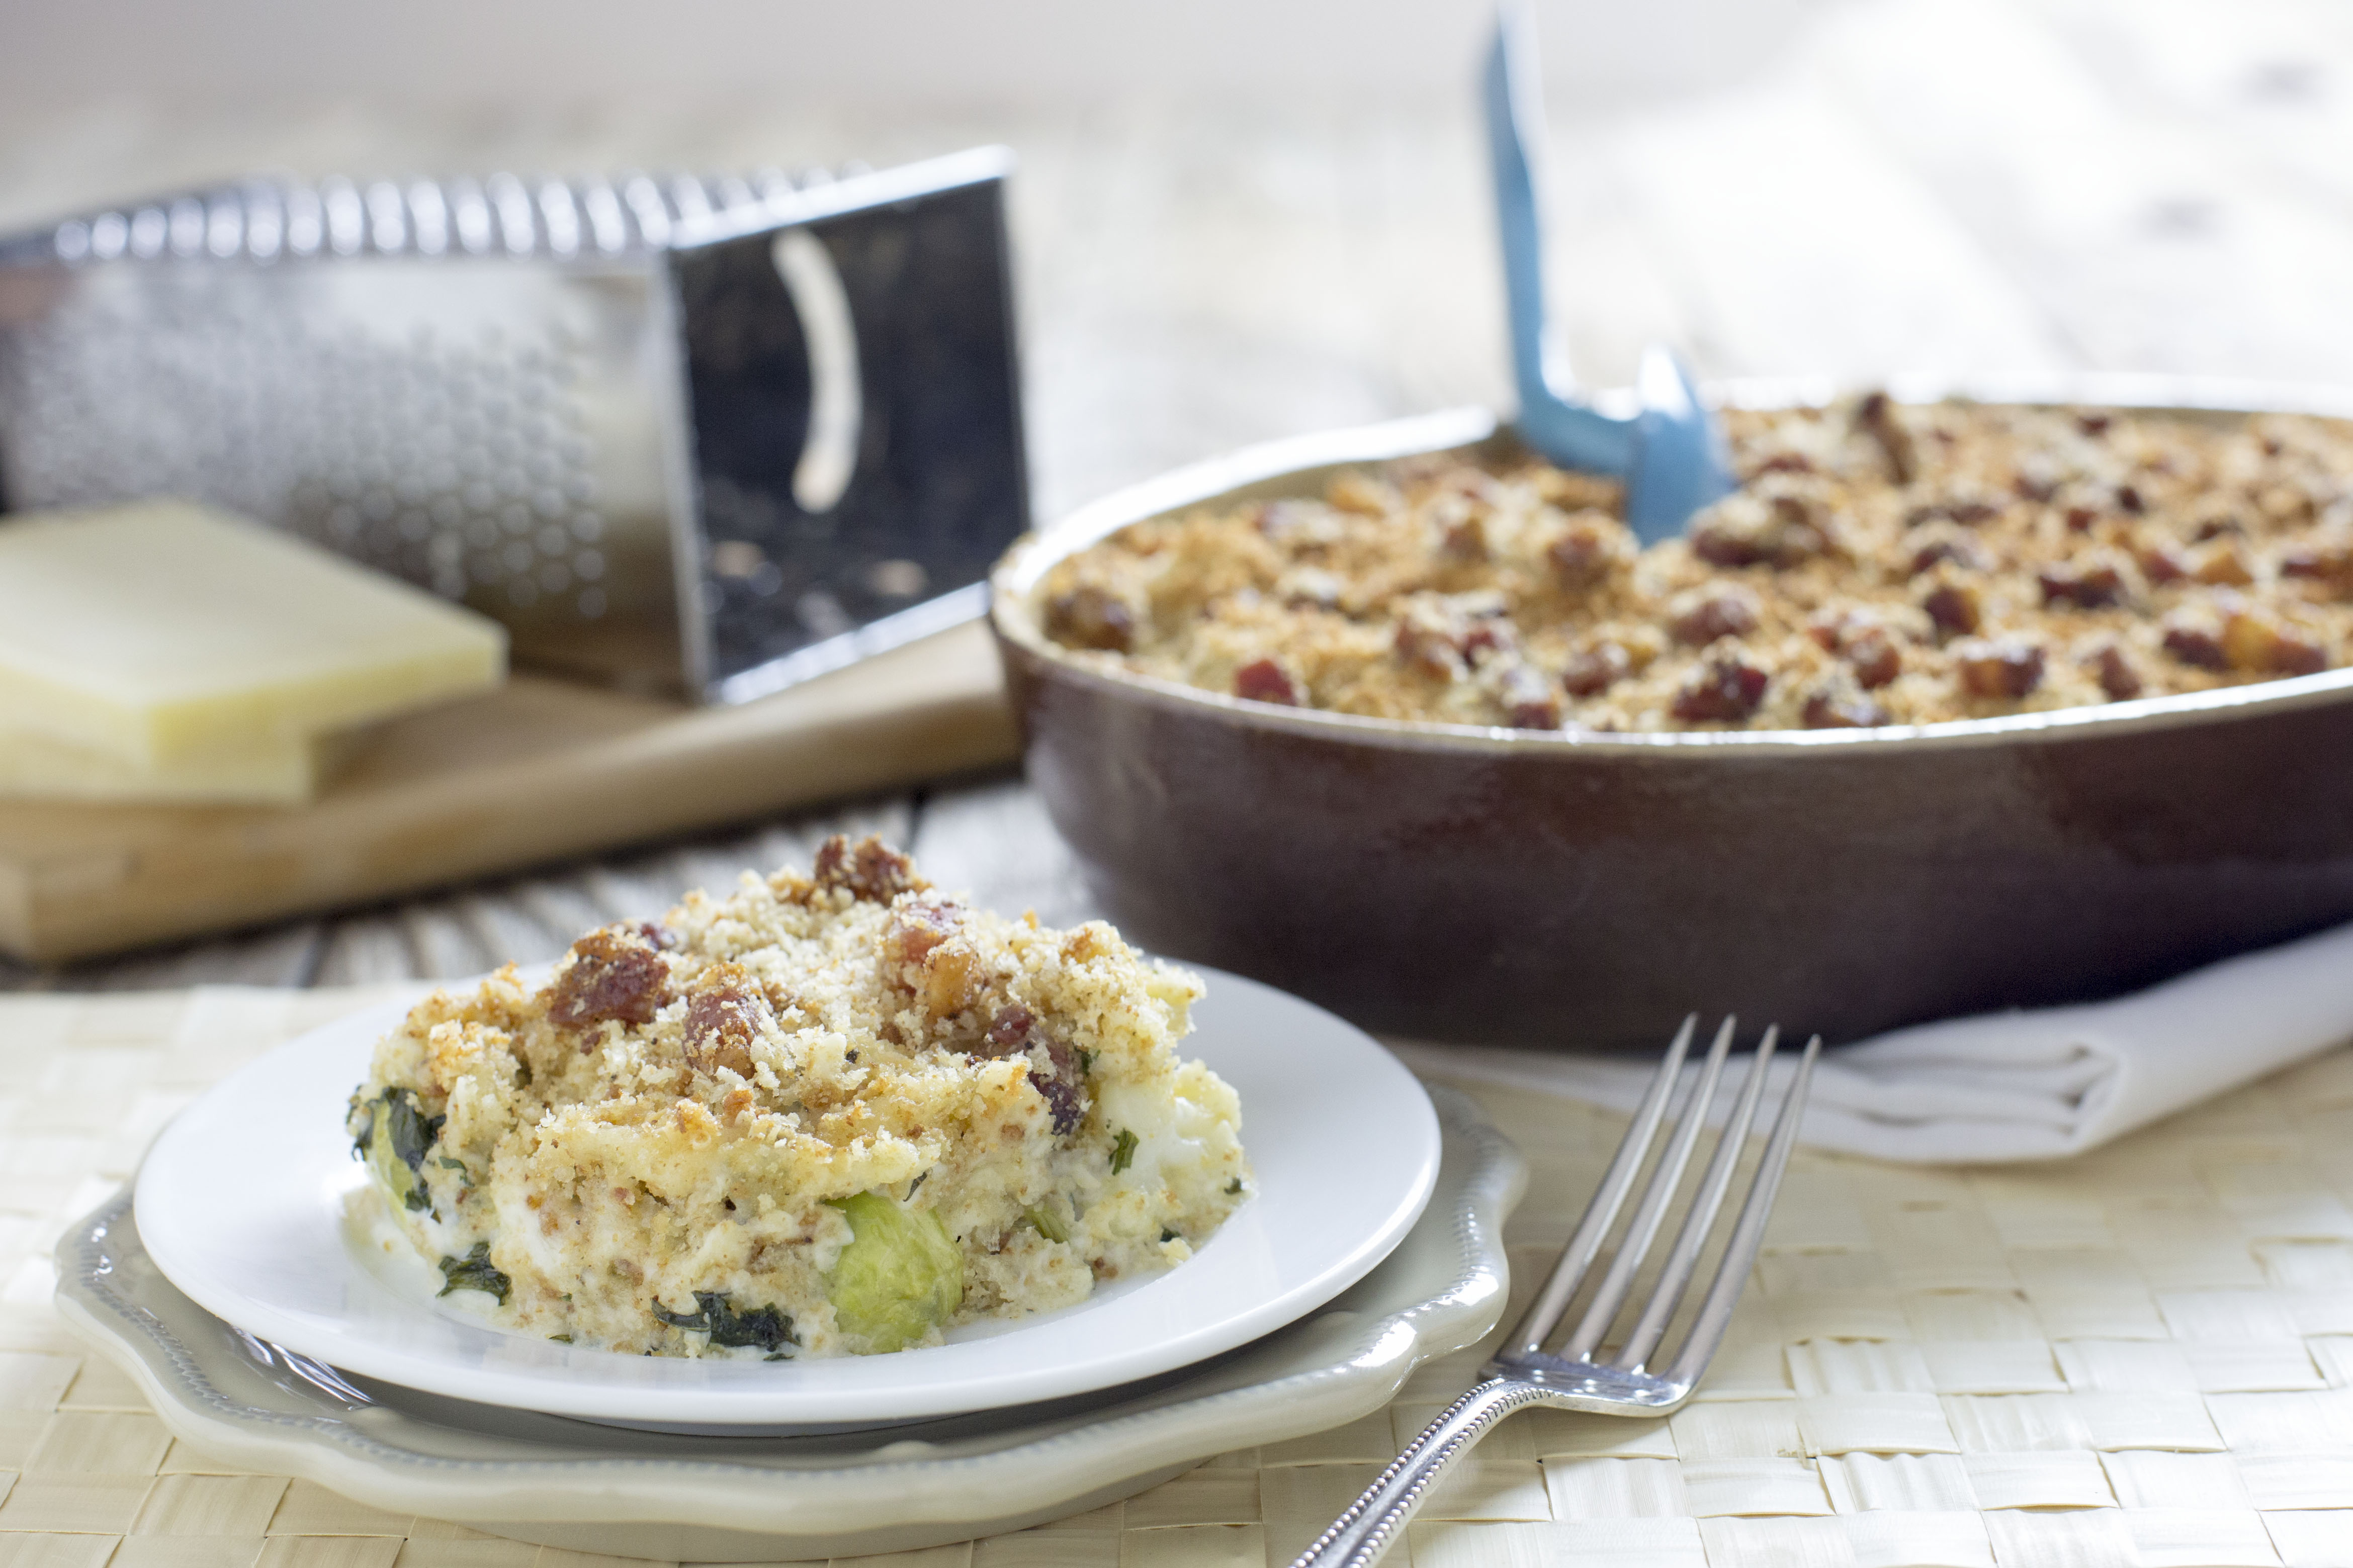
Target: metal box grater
{"x":707,"y":437}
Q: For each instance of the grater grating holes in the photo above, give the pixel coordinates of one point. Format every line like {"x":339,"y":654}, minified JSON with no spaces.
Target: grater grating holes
{"x":462,"y":468}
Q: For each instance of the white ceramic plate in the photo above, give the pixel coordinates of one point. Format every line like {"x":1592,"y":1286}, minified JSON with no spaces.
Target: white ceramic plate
{"x":243,"y":1205}
{"x":768,"y":1500}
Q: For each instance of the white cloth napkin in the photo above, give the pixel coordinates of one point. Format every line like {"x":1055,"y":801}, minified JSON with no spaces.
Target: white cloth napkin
{"x":2017,"y":1085}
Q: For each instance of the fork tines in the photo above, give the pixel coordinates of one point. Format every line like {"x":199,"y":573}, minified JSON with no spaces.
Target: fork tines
{"x":1581,"y":1356}
{"x":1578,"y":1377}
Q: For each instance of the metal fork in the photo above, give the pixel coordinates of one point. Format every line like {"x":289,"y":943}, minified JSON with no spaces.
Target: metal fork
{"x":1579,"y":1376}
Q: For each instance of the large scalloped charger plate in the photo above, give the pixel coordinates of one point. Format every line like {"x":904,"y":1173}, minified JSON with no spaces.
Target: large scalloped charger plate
{"x":252,"y":1205}
{"x":766,"y":1499}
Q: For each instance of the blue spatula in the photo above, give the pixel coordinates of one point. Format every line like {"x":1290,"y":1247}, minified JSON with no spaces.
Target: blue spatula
{"x":1670,"y":453}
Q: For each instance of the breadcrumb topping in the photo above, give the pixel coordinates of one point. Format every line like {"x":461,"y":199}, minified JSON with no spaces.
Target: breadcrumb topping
{"x":1878,"y":564}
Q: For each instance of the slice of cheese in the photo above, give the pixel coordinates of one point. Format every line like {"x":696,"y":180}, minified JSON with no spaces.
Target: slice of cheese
{"x":280,"y":770}
{"x":164,"y":630}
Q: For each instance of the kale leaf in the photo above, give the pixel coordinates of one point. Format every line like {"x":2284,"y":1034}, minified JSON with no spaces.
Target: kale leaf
{"x":1123,"y":1151}
{"x":392,"y":1138}
{"x":474,"y":1272}
{"x":763,"y":1327}
{"x":411,"y":1131}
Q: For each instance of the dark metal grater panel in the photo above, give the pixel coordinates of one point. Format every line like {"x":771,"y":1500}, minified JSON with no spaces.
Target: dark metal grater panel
{"x":937,"y":492}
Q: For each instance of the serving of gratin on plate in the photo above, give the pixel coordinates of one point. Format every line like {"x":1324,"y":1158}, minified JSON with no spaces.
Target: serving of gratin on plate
{"x":826,"y":1115}
{"x":834,"y":1149}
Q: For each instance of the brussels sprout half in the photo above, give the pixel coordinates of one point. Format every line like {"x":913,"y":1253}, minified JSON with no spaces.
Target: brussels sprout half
{"x":900,"y":1276}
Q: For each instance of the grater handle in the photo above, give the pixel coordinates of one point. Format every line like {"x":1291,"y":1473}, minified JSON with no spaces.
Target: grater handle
{"x":503,"y":214}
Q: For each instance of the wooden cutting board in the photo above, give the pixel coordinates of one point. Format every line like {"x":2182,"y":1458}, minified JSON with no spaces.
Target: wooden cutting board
{"x":540,"y":771}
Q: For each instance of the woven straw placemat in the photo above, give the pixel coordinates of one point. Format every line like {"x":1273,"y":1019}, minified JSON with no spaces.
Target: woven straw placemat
{"x":2139,"y":1357}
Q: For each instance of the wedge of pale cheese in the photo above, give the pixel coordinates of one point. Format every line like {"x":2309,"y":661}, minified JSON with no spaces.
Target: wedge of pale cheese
{"x":164,"y":631}
{"x":280,"y":770}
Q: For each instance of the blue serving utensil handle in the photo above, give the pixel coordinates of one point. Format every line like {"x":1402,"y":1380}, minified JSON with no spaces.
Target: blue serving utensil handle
{"x":1670,"y":452}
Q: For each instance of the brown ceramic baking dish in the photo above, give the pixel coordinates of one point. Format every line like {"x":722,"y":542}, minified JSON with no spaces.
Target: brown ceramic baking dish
{"x":1575,"y":890}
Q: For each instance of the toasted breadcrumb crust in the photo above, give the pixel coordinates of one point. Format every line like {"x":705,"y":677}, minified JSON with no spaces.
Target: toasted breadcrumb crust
{"x":674,"y":1117}
{"x":1878,"y":564}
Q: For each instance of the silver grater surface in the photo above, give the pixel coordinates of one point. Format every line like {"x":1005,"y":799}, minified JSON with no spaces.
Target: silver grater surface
{"x":688,"y":435}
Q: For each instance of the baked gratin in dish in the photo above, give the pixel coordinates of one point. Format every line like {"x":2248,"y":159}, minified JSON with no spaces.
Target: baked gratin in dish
{"x":829,"y":1114}
{"x":1879,"y":564}
{"x":1957,"y":704}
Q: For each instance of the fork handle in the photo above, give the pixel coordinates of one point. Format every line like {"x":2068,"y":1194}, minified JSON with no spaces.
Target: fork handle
{"x":1370,"y":1527}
